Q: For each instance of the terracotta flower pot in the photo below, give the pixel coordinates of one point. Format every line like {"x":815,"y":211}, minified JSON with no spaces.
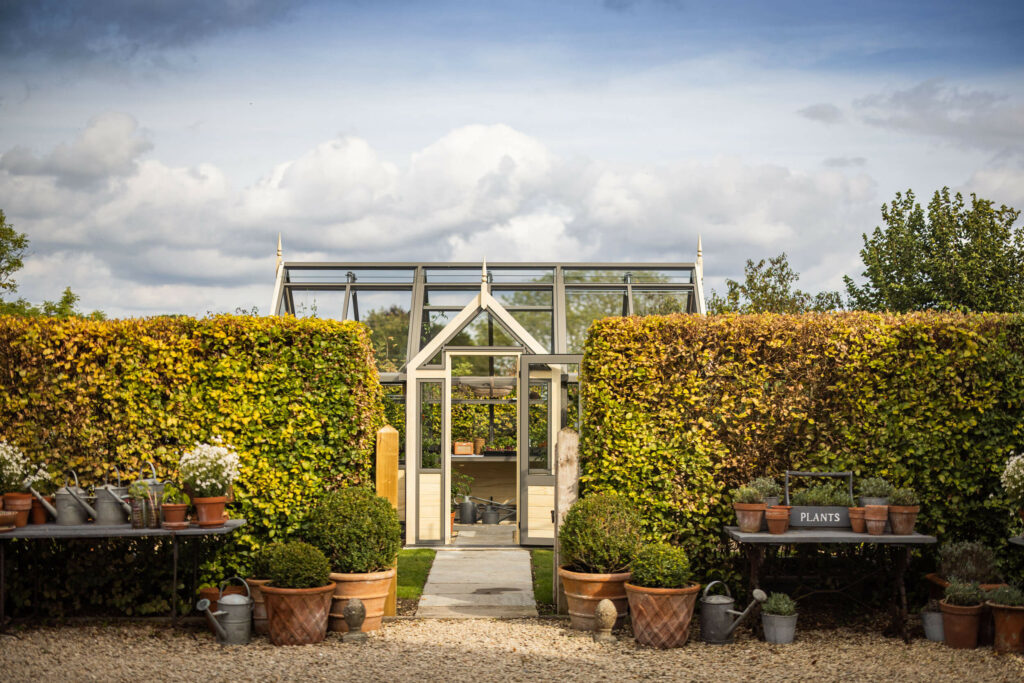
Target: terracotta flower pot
{"x":1009,"y":621}
{"x":778,"y":519}
{"x":661,"y":616}
{"x":297,"y":616}
{"x":960,"y":625}
{"x":857,"y":520}
{"x":174,"y":513}
{"x":259,"y":606}
{"x":748,"y":516}
{"x":210,"y":511}
{"x":583,"y":592}
{"x":902,"y":518}
{"x":39,"y":514}
{"x":20,"y":503}
{"x":371,"y":588}
{"x":875,"y":517}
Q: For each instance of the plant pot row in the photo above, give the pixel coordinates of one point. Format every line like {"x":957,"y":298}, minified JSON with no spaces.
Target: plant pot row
{"x":961,"y":625}
{"x":871,"y":519}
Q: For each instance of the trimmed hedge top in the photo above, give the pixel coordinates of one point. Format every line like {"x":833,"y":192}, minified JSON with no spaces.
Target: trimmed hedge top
{"x":600,"y":534}
{"x":297,"y":565}
{"x":356,"y":529}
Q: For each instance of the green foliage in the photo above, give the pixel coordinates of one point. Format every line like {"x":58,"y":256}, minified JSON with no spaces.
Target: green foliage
{"x":767,"y":288}
{"x":964,"y":593}
{"x":768,"y":487}
{"x":261,"y":561}
{"x":747,"y":494}
{"x":173,"y":494}
{"x":297,"y":565}
{"x":541,"y":560}
{"x":413,"y":567}
{"x":779,"y":604}
{"x":600,"y":534}
{"x":968,"y":561}
{"x":823,"y":494}
{"x":1005,"y":595}
{"x":462,"y":484}
{"x":875,"y":487}
{"x":13,"y":245}
{"x":661,"y":565}
{"x":299,"y":400}
{"x":356,"y":529}
{"x":958,"y":258}
{"x":679,"y":410}
{"x":904,"y":496}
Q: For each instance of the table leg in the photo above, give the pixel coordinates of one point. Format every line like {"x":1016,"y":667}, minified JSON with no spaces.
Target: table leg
{"x":898,"y":607}
{"x":174,"y":580}
{"x":755,"y":558}
{"x":3,"y":585}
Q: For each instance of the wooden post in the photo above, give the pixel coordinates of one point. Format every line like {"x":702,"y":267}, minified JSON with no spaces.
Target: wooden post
{"x":567,"y":478}
{"x":387,"y":487}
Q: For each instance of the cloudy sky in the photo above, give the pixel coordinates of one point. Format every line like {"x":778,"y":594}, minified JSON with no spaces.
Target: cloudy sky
{"x":152,"y":151}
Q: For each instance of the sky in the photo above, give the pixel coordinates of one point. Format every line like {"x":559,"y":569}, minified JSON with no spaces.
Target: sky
{"x":153,"y":150}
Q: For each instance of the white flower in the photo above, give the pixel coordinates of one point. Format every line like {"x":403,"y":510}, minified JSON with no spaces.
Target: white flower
{"x":14,"y":467}
{"x":209,"y":469}
{"x":1013,"y":478}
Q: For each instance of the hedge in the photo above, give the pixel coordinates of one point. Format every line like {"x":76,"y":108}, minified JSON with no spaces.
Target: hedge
{"x":680,"y":409}
{"x":299,"y":400}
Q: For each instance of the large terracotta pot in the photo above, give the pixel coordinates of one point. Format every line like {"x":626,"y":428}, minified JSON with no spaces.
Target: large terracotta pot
{"x":857,"y":520}
{"x":583,"y":592}
{"x":259,"y":606}
{"x":661,"y":616}
{"x":210,"y":511}
{"x":39,"y":514}
{"x":20,"y":503}
{"x":297,"y":616}
{"x":748,"y":516}
{"x":960,"y":624}
{"x":937,"y":588}
{"x":1009,"y":620}
{"x":371,"y":587}
{"x":902,"y":518}
{"x":778,"y":519}
{"x":875,"y":517}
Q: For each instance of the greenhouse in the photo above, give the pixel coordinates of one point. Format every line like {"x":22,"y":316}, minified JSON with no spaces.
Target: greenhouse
{"x":479,"y":365}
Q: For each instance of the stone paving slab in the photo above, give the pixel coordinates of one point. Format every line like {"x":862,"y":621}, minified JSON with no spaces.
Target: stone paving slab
{"x":477,"y":584}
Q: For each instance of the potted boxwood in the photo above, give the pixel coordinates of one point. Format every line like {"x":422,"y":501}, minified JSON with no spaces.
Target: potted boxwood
{"x":778,"y":618}
{"x":298,"y":595}
{"x":770,"y":490}
{"x":749,"y":506}
{"x":931,"y":619}
{"x":1007,"y":605}
{"x":661,"y":596}
{"x":874,"y":491}
{"x":360,"y":534}
{"x":260,"y":572}
{"x":903,"y":509}
{"x":597,"y":542}
{"x":961,"y":614}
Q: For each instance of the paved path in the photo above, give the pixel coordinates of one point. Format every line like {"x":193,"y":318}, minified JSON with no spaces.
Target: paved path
{"x":478,"y":583}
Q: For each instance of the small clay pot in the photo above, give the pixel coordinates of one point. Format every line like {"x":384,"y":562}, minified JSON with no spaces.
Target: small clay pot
{"x":748,"y":516}
{"x":875,"y":517}
{"x":20,"y":503}
{"x":39,"y":513}
{"x":778,"y":519}
{"x":902,"y":518}
{"x":857,"y":520}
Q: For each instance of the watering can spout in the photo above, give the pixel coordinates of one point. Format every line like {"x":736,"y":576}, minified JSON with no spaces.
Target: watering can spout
{"x":204,"y":606}
{"x":759,"y":597}
{"x":42,"y":501}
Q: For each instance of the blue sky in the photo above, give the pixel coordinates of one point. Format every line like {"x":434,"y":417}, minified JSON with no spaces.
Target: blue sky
{"x":153,"y":150}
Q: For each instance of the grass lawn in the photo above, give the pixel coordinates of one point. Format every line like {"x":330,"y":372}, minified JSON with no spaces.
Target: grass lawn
{"x":413,"y":567}
{"x":541,"y":561}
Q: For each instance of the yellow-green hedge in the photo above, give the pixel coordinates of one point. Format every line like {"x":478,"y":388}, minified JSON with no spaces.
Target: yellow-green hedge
{"x":299,"y":400}
{"x":680,"y":409}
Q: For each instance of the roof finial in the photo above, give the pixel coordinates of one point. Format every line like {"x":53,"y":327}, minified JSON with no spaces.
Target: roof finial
{"x":277,"y":263}
{"x":700,"y":249}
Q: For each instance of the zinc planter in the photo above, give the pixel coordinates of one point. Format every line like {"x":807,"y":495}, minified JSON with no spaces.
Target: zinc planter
{"x":871,"y":500}
{"x":371,"y":588}
{"x":297,"y":616}
{"x":661,"y":616}
{"x":210,"y":511}
{"x":779,"y":629}
{"x":960,"y":625}
{"x":259,"y":606}
{"x":1009,"y":621}
{"x":902,"y":518}
{"x":932,"y":622}
{"x":875,"y":517}
{"x":748,"y":516}
{"x":583,"y":592}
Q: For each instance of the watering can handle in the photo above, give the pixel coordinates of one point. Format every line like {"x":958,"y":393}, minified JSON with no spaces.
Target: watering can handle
{"x":708,"y":587}
{"x":118,"y":473}
{"x":75,"y":475}
{"x":245,"y":583}
{"x":151,"y":469}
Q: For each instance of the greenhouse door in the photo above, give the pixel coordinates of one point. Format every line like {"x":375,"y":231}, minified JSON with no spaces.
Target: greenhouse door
{"x":548,"y":401}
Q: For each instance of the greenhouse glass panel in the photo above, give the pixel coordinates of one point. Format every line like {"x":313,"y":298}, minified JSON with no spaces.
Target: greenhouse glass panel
{"x":394,"y":414}
{"x":659,"y":302}
{"x":510,"y":298}
{"x":386,"y":313}
{"x":584,"y":307}
{"x":323,"y":304}
{"x":430,"y":425}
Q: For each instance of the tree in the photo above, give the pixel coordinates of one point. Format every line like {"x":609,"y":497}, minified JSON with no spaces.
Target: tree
{"x":12,"y":247}
{"x":956,"y":258}
{"x":768,"y":288}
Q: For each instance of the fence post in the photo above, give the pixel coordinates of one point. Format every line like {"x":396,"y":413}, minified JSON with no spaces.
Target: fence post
{"x":567,"y":478}
{"x":387,"y":487}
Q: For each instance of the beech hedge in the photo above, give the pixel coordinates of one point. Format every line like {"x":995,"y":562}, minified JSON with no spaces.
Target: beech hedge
{"x":299,"y":399}
{"x":679,"y":409}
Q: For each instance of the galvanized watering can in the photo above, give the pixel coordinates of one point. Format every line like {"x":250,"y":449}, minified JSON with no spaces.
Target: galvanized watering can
{"x":153,"y":484}
{"x":111,"y":506}
{"x":233,"y":619}
{"x":716,"y":612}
{"x":72,"y":507}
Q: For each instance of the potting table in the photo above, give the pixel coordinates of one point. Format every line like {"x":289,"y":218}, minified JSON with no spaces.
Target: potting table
{"x":58,"y":532}
{"x":753,"y":545}
{"x":1017,"y":540}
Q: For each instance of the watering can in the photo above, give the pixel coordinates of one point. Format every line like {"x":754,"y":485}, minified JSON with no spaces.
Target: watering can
{"x":111,"y":506}
{"x":153,"y":484}
{"x":716,"y":614}
{"x":233,"y":619}
{"x":72,"y":507}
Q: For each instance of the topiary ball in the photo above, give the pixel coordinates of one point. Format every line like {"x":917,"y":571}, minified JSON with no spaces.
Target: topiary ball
{"x":356,"y":529}
{"x":600,"y":534}
{"x":661,"y":565}
{"x":297,"y":565}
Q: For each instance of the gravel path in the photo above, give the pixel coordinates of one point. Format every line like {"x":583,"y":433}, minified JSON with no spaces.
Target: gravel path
{"x":482,"y":650}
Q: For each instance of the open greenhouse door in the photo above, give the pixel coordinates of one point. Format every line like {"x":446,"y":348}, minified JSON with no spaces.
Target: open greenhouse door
{"x":548,"y":401}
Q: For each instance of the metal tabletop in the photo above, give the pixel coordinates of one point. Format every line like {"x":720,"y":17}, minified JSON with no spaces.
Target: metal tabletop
{"x":1017,"y":540}
{"x":53,"y":530}
{"x":825,"y":535}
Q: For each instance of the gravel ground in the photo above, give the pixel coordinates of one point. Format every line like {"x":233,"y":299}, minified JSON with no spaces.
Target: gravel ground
{"x":481,"y":650}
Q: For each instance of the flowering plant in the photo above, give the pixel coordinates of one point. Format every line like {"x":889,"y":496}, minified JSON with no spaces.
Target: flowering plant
{"x":209,"y":469}
{"x":14,"y":467}
{"x":1013,"y":479}
{"x":41,"y":480}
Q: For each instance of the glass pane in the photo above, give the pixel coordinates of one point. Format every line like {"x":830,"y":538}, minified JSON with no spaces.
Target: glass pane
{"x":430,"y":425}
{"x":453,"y":275}
{"x":326,"y":305}
{"x":386,"y":313}
{"x":538,"y":324}
{"x":659,"y":303}
{"x":680,"y":276}
{"x":482,"y":368}
{"x":456,"y":298}
{"x":522,"y":297}
{"x":483,"y":330}
{"x":607,"y":275}
{"x":398,"y":275}
{"x":433,"y":323}
{"x":521,"y":274}
{"x":571,"y":404}
{"x":394,"y":415}
{"x":539,"y":415}
{"x":584,"y":307}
